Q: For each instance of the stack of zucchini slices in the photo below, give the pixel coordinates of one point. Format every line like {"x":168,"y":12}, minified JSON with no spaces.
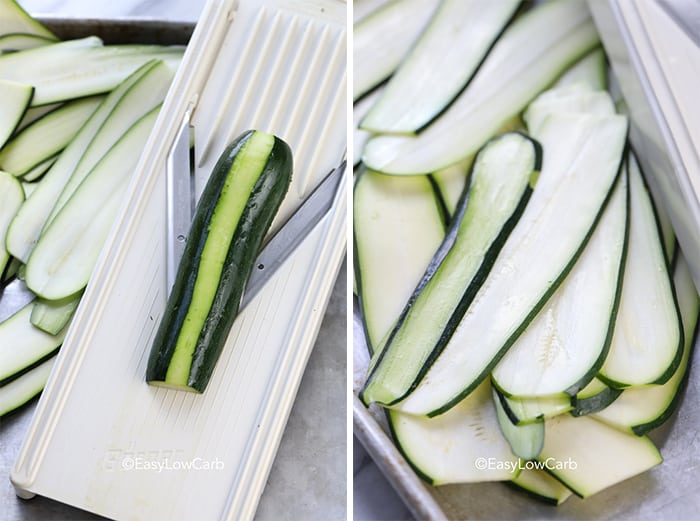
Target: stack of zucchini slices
{"x":528,"y":315}
{"x":76,"y":116}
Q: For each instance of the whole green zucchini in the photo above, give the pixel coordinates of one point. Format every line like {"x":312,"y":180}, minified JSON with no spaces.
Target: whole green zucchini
{"x":234,"y":213}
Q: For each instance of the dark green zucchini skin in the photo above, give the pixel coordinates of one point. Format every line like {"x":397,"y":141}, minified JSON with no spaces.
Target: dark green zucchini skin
{"x":258,"y":214}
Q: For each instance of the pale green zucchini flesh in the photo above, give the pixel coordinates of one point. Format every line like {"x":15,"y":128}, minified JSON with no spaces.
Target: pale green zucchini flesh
{"x":412,"y":98}
{"x":397,"y":225}
{"x":119,"y":110}
{"x":18,"y":392}
{"x":539,"y":484}
{"x":46,"y":136}
{"x":589,"y":456}
{"x":534,"y":50}
{"x":14,"y":101}
{"x":501,"y":182}
{"x":65,"y":254}
{"x":11,"y":199}
{"x":461,"y":446}
{"x":381,"y":39}
{"x":23,"y":346}
{"x":642,"y":409}
{"x":525,"y":440}
{"x":576,"y":181}
{"x":564,"y":346}
{"x":647,"y":342}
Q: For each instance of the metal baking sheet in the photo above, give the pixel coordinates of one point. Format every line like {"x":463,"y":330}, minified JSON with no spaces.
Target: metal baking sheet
{"x":669,"y":491}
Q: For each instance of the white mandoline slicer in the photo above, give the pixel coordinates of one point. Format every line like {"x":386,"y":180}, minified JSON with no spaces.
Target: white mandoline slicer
{"x":101,"y":438}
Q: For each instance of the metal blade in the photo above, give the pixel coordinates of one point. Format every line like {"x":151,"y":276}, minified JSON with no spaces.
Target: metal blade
{"x":14,"y":297}
{"x":179,"y":203}
{"x":285,"y":241}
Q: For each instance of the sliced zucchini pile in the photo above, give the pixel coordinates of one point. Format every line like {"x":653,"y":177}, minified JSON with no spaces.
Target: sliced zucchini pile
{"x":76,"y":115}
{"x":549,"y":328}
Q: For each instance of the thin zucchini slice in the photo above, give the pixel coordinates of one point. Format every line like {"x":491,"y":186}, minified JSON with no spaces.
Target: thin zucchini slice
{"x":359,"y":109}
{"x":501,"y":182}
{"x":47,"y":136}
{"x":461,"y":33}
{"x":11,"y":199}
{"x":451,"y":181}
{"x":539,"y":484}
{"x":590,"y":70}
{"x":14,"y":101}
{"x":238,"y":204}
{"x":21,"y":42}
{"x":462,"y":446}
{"x":39,"y":170}
{"x":382,"y":39}
{"x":79,"y":68}
{"x":576,"y":99}
{"x":647,"y":343}
{"x":525,"y":440}
{"x":363,"y":8}
{"x":21,"y":390}
{"x":141,"y":97}
{"x":124,"y":105}
{"x":397,"y":227}
{"x":62,"y":261}
{"x":53,"y":315}
{"x":564,"y":346}
{"x":22,"y":346}
{"x":588,"y":456}
{"x":522,"y":411}
{"x":14,"y":19}
{"x":641,"y":410}
{"x":34,"y":113}
{"x":594,"y":397}
{"x":528,"y":57}
{"x":580,"y":166}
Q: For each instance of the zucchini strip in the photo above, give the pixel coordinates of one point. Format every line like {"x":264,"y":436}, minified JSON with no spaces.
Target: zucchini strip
{"x":522,"y":411}
{"x":11,"y":199}
{"x":452,"y":448}
{"x":591,"y":70}
{"x":13,"y":42}
{"x":130,"y":100}
{"x":234,"y":213}
{"x":47,"y":136}
{"x":502,"y":179}
{"x":581,"y":163}
{"x":461,"y":33}
{"x":530,"y":55}
{"x":19,"y":391}
{"x":594,"y":397}
{"x":14,"y":19}
{"x":539,"y":484}
{"x":359,"y":110}
{"x":14,"y":100}
{"x":53,"y":315}
{"x":647,"y":343}
{"x":62,"y":261}
{"x":643,"y":409}
{"x":22,"y":346}
{"x":39,"y":170}
{"x":79,"y":68}
{"x":565,"y":345}
{"x":397,"y":226}
{"x":382,"y":39}
{"x":525,"y":440}
{"x":588,"y":456}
